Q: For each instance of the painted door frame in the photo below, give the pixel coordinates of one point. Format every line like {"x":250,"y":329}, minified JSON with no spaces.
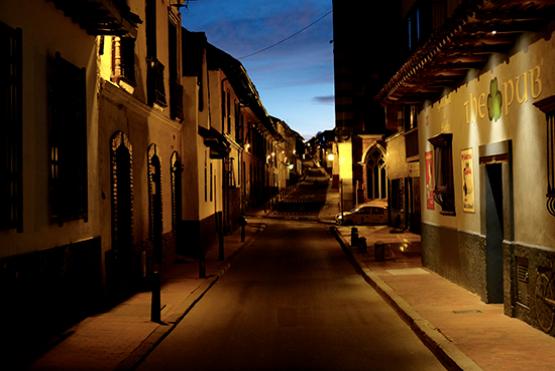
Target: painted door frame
{"x":497,"y":271}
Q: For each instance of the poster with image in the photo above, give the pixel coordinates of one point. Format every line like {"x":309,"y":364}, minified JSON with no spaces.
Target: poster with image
{"x":467,"y":180}
{"x":429,"y":157}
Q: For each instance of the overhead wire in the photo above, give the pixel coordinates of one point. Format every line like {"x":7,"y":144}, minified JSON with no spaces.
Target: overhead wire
{"x":288,"y":37}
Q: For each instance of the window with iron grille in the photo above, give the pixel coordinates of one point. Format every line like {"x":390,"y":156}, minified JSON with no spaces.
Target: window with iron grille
{"x":67,"y":138}
{"x":10,"y":128}
{"x":444,"y":191}
{"x":547,"y":105}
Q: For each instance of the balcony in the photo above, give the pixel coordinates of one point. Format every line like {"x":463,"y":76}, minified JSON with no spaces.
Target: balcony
{"x":101,"y":17}
{"x":475,"y":31}
{"x":156,"y":94}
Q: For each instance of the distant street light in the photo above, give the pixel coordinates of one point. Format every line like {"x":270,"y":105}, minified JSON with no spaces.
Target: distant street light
{"x":331,"y":157}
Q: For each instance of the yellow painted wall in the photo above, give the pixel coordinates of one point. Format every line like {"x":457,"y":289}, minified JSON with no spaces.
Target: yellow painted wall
{"x":46,"y":31}
{"x":524,"y":77}
{"x":396,"y":163}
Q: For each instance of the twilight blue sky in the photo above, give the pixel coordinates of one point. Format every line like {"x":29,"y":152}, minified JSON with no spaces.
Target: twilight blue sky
{"x":295,"y":78}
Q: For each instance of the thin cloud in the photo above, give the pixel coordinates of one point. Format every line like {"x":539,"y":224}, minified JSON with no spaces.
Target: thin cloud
{"x":326,"y":99}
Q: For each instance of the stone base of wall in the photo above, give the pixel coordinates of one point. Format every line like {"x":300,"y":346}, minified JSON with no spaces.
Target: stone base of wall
{"x":45,"y":292}
{"x":195,"y":236}
{"x":525,"y":265}
{"x":457,"y":256}
{"x":461,"y":258}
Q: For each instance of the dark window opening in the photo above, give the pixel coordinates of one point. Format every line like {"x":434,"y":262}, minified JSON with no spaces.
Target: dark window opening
{"x":150,"y":24}
{"x":176,"y":89}
{"x":156,"y":93}
{"x":11,"y":198}
{"x":67,"y":137}
{"x":228,"y":110}
{"x":238,"y":124}
{"x":444,"y":190}
{"x":211,"y":184}
{"x":224,"y":114}
{"x":424,"y":17}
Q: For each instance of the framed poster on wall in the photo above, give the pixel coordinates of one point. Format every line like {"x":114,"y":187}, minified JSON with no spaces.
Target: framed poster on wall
{"x":429,"y":157}
{"x":467,"y":180}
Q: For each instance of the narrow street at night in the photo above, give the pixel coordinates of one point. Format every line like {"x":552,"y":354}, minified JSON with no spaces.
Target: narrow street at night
{"x":292,"y":301}
{"x":291,"y":185}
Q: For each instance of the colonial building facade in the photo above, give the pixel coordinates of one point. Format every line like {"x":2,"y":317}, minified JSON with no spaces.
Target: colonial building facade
{"x":480,"y":86}
{"x":126,"y":141}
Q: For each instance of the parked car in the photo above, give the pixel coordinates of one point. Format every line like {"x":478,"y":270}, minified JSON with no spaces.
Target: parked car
{"x":372,"y":212}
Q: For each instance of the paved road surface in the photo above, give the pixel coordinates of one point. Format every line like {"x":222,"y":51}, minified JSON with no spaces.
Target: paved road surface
{"x":291,"y":301}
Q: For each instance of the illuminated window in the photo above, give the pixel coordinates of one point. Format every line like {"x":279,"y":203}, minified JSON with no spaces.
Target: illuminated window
{"x":67,"y":138}
{"x":10,"y":133}
{"x":123,"y":60}
{"x":444,"y":191}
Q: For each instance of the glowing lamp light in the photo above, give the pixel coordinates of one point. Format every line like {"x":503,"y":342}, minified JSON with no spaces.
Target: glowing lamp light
{"x":331,"y":157}
{"x":291,"y":166}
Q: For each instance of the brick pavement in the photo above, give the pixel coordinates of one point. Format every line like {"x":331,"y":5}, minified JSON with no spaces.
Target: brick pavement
{"x":465,"y":332}
{"x":468,"y":333}
{"x":120,"y":337}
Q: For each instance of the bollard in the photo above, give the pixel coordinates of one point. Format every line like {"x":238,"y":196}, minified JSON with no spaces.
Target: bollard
{"x":354,"y":236}
{"x":362,"y":244}
{"x":242,"y":223}
{"x":155,"y":303}
{"x":379,"y":251}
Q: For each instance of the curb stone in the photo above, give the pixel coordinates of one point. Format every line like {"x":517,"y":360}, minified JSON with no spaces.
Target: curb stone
{"x":450,"y":356}
{"x":133,"y":360}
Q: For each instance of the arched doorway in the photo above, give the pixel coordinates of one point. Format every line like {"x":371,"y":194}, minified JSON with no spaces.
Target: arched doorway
{"x":122,"y":211}
{"x":376,"y":176}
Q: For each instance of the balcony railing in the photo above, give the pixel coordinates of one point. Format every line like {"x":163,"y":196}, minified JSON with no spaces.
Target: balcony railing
{"x":123,"y":60}
{"x":156,"y":93}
